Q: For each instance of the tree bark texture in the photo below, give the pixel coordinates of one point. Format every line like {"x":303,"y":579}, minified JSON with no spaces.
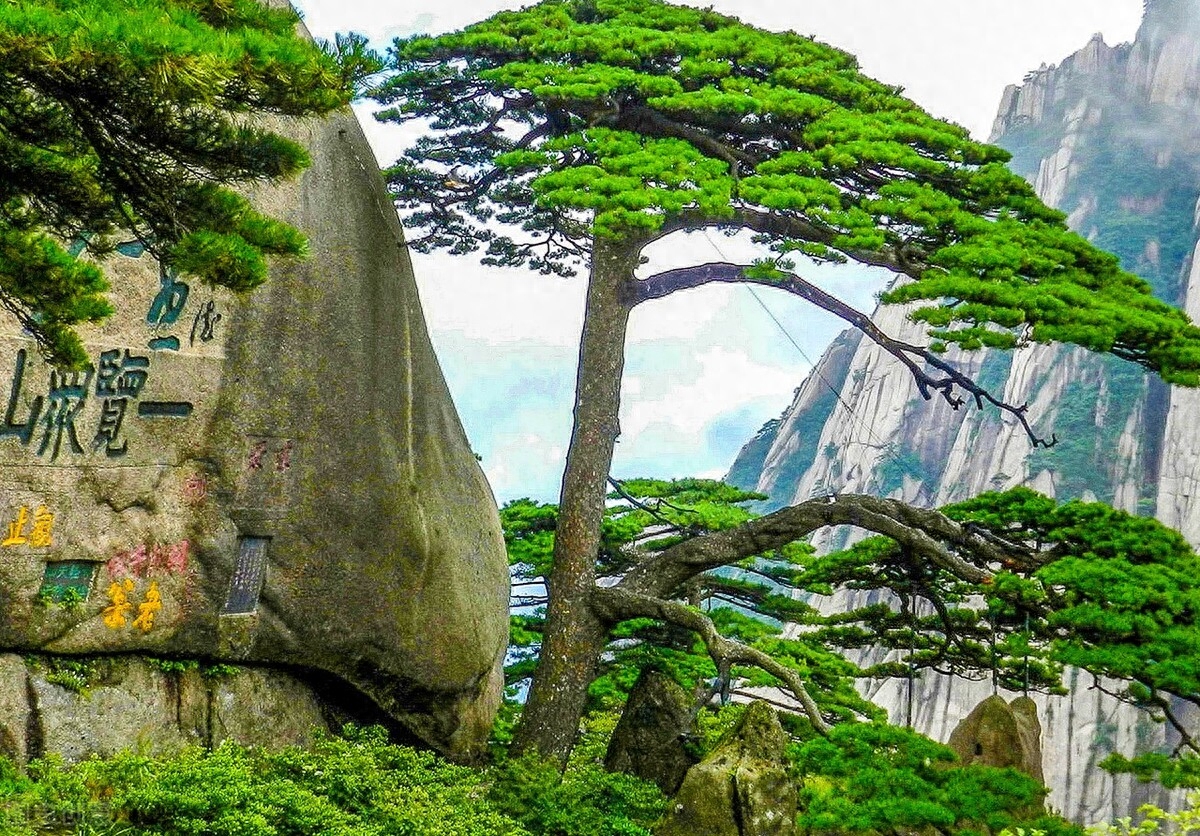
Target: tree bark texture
{"x":574,"y":637}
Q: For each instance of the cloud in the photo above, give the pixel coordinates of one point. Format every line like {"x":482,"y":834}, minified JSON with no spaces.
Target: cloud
{"x":498,"y":306}
{"x":726,"y":378}
{"x":525,"y":465}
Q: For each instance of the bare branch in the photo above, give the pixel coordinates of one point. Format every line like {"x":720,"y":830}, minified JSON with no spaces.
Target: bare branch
{"x":619,"y":488}
{"x":1186,"y":739}
{"x":520,"y":601}
{"x":670,"y":281}
{"x":784,"y":226}
{"x":650,"y":122}
{"x":613,"y":605}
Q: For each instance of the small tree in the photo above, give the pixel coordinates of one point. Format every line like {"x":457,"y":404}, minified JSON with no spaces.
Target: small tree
{"x":134,"y":119}
{"x":592,"y":128}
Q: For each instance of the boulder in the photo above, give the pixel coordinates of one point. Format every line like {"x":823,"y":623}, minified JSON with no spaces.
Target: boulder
{"x":1001,"y":734}
{"x":651,"y":739}
{"x":742,"y":788}
{"x":274,"y":479}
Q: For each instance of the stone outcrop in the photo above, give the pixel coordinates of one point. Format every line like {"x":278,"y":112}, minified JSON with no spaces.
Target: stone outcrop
{"x":275,"y":479}
{"x":742,"y":788}
{"x":1111,"y":137}
{"x":1000,"y":734}
{"x":112,"y":704}
{"x":651,"y":739}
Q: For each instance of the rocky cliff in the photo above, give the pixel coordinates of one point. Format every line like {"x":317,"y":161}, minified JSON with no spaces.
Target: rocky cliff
{"x":277,"y":481}
{"x":1111,"y":137}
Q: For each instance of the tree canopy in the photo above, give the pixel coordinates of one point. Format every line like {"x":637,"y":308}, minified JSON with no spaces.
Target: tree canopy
{"x":132,"y":120}
{"x":631,"y":119}
{"x":577,"y":132}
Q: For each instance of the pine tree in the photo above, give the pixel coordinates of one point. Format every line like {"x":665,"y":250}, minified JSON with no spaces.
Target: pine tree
{"x":589,"y":129}
{"x":134,"y":120}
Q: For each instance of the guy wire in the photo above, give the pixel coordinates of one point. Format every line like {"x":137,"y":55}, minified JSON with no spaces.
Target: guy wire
{"x":858,"y":421}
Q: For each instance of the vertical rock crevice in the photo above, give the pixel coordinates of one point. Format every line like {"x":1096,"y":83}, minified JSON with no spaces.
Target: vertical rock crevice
{"x":35,"y":740}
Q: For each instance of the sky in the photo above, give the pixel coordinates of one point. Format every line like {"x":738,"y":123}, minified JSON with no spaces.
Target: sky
{"x":707,"y":367}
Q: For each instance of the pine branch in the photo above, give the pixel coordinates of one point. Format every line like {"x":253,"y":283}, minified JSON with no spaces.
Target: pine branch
{"x":613,"y":605}
{"x":670,"y":281}
{"x":930,"y":534}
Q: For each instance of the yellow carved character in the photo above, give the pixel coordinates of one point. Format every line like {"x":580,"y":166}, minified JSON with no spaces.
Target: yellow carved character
{"x":147,"y":609}
{"x":41,"y":535}
{"x":116,"y":615}
{"x":16,"y":530}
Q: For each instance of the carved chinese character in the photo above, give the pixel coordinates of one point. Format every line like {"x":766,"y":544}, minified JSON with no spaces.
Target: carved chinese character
{"x":148,"y":608}
{"x":129,"y":562}
{"x":22,"y":430}
{"x":68,"y":393}
{"x":121,"y":375}
{"x":116,"y":614}
{"x":166,"y":308}
{"x":195,"y":489}
{"x":139,"y":558}
{"x":16,"y":529}
{"x":205,"y":322}
{"x":284,"y":458}
{"x":112,"y":415}
{"x":42,"y":533}
{"x":257,"y":452}
{"x":177,"y":557}
{"x":119,"y":378}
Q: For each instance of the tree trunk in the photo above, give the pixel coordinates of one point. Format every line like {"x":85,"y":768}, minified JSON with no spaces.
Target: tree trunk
{"x":574,"y":637}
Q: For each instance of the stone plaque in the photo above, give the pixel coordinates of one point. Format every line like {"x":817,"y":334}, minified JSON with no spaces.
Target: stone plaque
{"x":67,"y":579}
{"x":248,"y":575}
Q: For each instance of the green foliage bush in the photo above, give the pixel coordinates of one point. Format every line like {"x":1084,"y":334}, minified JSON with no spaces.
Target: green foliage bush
{"x":76,"y":674}
{"x":587,"y":801}
{"x":357,"y":784}
{"x":1153,"y":820}
{"x":864,"y":778}
{"x":878,"y":778}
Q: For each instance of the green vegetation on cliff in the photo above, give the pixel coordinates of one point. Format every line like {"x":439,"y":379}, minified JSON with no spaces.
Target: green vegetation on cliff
{"x":354,"y":785}
{"x":1011,"y":586}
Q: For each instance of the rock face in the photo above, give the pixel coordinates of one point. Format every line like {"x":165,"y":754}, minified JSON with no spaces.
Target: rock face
{"x":741,"y":788}
{"x":650,"y":741}
{"x":111,"y":704}
{"x":275,"y":479}
{"x":1110,"y":136}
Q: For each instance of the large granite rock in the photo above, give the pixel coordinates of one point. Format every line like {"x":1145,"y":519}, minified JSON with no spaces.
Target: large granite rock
{"x":279,"y":478}
{"x":742,"y":788}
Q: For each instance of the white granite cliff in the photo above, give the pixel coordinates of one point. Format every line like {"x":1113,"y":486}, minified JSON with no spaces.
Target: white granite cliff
{"x":1111,"y":137}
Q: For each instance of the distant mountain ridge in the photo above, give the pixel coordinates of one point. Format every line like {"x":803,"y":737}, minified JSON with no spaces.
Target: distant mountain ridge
{"x":1111,"y":137}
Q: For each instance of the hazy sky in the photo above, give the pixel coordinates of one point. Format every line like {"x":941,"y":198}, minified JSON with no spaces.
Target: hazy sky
{"x":706,"y":369}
